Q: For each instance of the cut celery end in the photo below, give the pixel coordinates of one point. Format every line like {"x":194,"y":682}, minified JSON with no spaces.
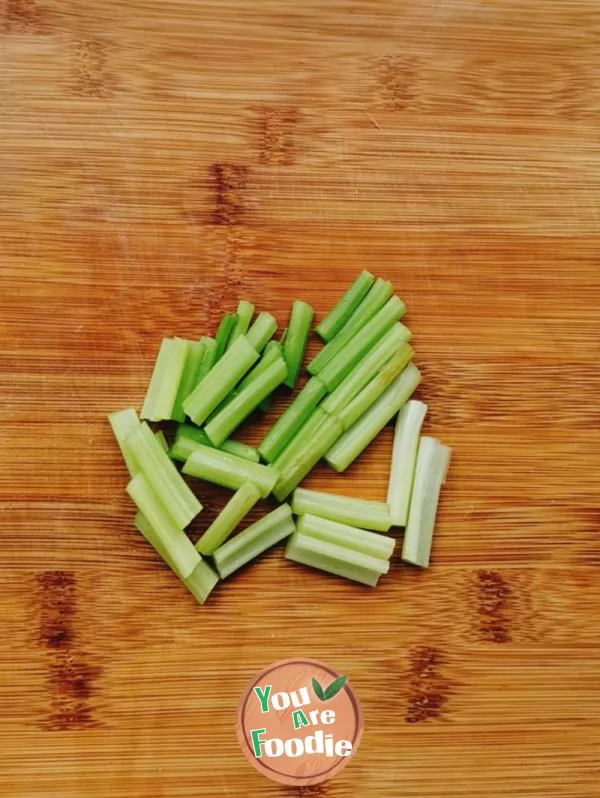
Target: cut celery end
{"x":244,"y":313}
{"x":188,"y":437}
{"x":336,"y":560}
{"x":306,"y":433}
{"x":208,"y":357}
{"x":404,"y":458}
{"x":356,"y":439}
{"x":223,"y":334}
{"x":229,"y":518}
{"x":161,"y":440}
{"x":262,"y":331}
{"x":373,"y":390}
{"x":296,"y":339}
{"x":164,"y":383}
{"x":288,"y":424}
{"x":221,"y":379}
{"x":344,"y":509}
{"x":202,"y":581}
{"x":189,"y":378}
{"x":123,"y":423}
{"x":379,"y":546}
{"x":254,"y":540}
{"x":336,"y":318}
{"x":229,"y":471}
{"x":433,"y":460}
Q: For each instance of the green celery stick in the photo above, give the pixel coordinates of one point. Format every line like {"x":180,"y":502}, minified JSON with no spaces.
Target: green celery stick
{"x":223,"y":334}
{"x":283,"y":336}
{"x":187,"y":435}
{"x":244,"y":313}
{"x":371,"y":543}
{"x":336,"y":318}
{"x":220,"y":380}
{"x":355,"y":440}
{"x":433,"y":460}
{"x":334,"y":559}
{"x":164,"y":383}
{"x":362,"y":343}
{"x":201,"y":582}
{"x":296,"y":339}
{"x":306,"y":432}
{"x":142,"y":524}
{"x":378,"y":295}
{"x":262,"y":331}
{"x":240,"y":504}
{"x":371,"y":392}
{"x":404,"y":458}
{"x":230,"y":471}
{"x":124,"y":422}
{"x":189,"y":378}
{"x":288,"y":424}
{"x":160,"y":437}
{"x":208,"y":358}
{"x":254,"y":540}
{"x":361,"y":513}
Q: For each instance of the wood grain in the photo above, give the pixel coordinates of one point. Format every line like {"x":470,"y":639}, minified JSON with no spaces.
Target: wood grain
{"x":160,"y":161}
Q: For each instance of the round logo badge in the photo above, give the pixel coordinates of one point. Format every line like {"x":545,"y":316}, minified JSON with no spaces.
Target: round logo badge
{"x":299,"y":722}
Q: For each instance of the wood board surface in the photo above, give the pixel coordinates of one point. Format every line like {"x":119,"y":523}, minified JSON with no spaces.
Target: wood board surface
{"x":158,"y":162}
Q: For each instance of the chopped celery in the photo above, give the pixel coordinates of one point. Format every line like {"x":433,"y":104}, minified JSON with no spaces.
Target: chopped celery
{"x":244,"y":313}
{"x":144,"y":526}
{"x":262,"y":331}
{"x":187,"y":435}
{"x":433,"y":459}
{"x":296,"y":339}
{"x":164,"y":383}
{"x":189,"y":378}
{"x":223,"y":334}
{"x":344,"y":509}
{"x":240,"y":504}
{"x":404,"y":458}
{"x":288,"y":424}
{"x":160,"y":437}
{"x":379,"y":546}
{"x":369,"y":425}
{"x":230,"y":471}
{"x":337,"y":560}
{"x":251,"y":542}
{"x":124,"y":422}
{"x":208,"y":357}
{"x":371,"y":392}
{"x":201,"y":581}
{"x":220,"y":380}
{"x":336,"y":318}
{"x":306,"y":432}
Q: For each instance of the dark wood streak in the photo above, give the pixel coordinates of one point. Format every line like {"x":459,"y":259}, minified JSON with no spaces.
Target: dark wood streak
{"x":494,"y":594}
{"x":429,"y":690}
{"x":275,"y":131}
{"x":229,"y":186}
{"x":397,"y":77}
{"x":92,"y":76}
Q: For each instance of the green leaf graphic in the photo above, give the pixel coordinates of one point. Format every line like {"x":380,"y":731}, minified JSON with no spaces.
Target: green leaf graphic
{"x":335,"y":687}
{"x":318,"y":689}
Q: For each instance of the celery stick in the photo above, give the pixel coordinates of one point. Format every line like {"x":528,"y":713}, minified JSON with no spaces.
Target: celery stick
{"x":344,"y":509}
{"x":307,"y":431}
{"x":251,"y":542}
{"x":292,"y":419}
{"x":337,"y":560}
{"x":404,"y":458}
{"x":208,"y":358}
{"x":296,"y":339}
{"x":229,"y":471}
{"x":142,"y":524}
{"x":164,"y":383}
{"x":378,"y":546}
{"x":433,"y":459}
{"x":336,"y":318}
{"x":220,"y":380}
{"x":262,"y":331}
{"x":379,"y":294}
{"x":244,"y":313}
{"x":370,"y":424}
{"x":229,"y":518}
{"x":160,"y":437}
{"x":371,"y":392}
{"x":223,"y":334}
{"x":189,"y":378}
{"x":229,"y":419}
{"x":122,"y":423}
{"x":362,"y":343}
{"x":283,"y":336}
{"x":186,"y":435}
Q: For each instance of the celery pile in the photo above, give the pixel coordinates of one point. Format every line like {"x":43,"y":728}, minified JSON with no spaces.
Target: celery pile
{"x":360,"y":380}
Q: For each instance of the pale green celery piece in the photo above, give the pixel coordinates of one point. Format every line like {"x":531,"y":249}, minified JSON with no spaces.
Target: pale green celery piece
{"x":162,"y":476}
{"x":220,"y":380}
{"x":375,"y":545}
{"x":296,"y":339}
{"x":208,"y":358}
{"x":223,"y":334}
{"x":262,"y":331}
{"x":361,"y":344}
{"x":244,"y":313}
{"x":160,"y":437}
{"x":229,"y":471}
{"x":254,"y":540}
{"x":164,"y":383}
{"x":377,"y":297}
{"x":283,"y":336}
{"x":356,"y":439}
{"x":124,"y":422}
{"x":433,"y":460}
{"x":188,"y":437}
{"x":306,"y":433}
{"x":330,"y":326}
{"x":404,"y":458}
{"x":337,"y":560}
{"x":142,"y":524}
{"x":367,"y":368}
{"x":189,"y":378}
{"x":240,"y":449}
{"x":288,"y":424}
{"x":182,"y":556}
{"x":202,"y":581}
{"x":371,"y":392}
{"x":240,"y":504}
{"x":361,"y":513}
{"x":247,"y":400}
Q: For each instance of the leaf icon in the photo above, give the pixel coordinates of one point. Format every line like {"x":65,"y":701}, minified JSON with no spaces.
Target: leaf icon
{"x":335,"y":687}
{"x":318,"y":689}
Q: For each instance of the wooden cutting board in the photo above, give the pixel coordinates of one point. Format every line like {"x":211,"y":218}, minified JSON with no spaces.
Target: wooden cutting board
{"x":159,"y":161}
